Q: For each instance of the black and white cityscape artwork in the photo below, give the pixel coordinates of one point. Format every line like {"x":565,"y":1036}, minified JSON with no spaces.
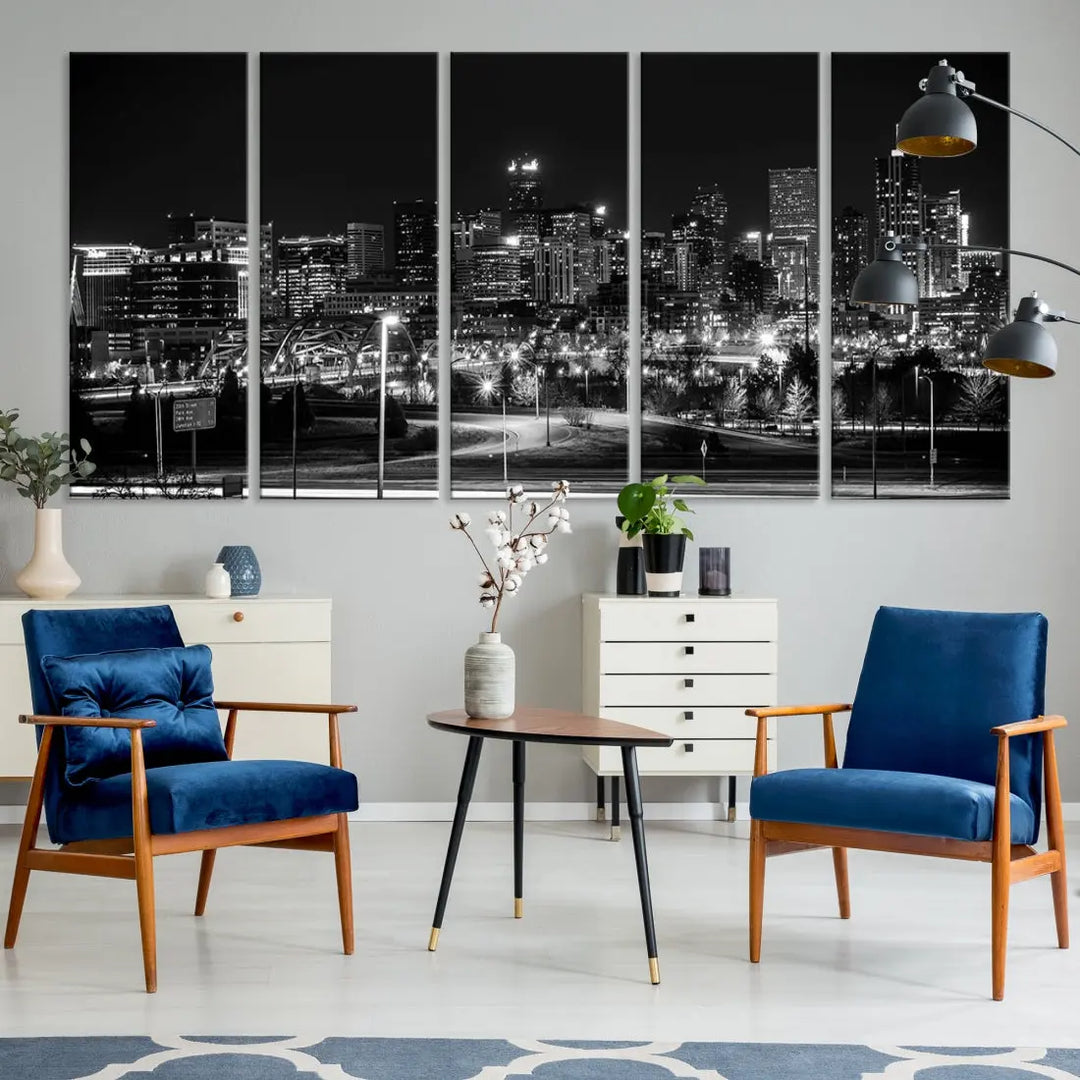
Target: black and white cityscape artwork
{"x":159,"y":272}
{"x":349,"y":275}
{"x":539,"y":275}
{"x":914,"y":413}
{"x":730,"y":270}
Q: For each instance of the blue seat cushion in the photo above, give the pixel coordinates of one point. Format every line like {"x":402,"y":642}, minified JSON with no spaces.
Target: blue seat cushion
{"x":881,"y":800}
{"x":172,"y":686}
{"x":208,"y":795}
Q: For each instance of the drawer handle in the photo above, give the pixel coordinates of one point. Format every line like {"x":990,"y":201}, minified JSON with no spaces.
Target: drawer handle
{"x":688,"y":650}
{"x":688,"y":715}
{"x":238,"y":616}
{"x":689,"y":616}
{"x":688,"y":747}
{"x":688,"y":684}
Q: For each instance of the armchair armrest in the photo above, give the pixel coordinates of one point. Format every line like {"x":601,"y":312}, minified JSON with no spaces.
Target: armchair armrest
{"x":278,"y":706}
{"x":798,"y":710}
{"x":1029,"y":727}
{"x":87,"y":721}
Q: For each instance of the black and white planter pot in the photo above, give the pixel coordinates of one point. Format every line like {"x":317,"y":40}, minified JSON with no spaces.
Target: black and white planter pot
{"x":664,"y":556}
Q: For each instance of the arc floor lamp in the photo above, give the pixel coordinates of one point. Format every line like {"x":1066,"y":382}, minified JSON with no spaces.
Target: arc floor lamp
{"x":941,"y":124}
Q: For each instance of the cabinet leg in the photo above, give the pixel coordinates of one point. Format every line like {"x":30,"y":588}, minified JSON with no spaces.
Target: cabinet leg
{"x":731,"y":798}
{"x":616,"y":798}
{"x":600,"y":798}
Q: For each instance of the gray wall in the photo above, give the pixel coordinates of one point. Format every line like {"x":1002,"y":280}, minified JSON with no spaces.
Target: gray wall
{"x":402,"y":584}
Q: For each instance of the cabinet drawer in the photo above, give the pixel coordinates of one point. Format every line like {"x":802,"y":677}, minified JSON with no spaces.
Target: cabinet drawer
{"x":707,"y":723}
{"x":709,"y":757}
{"x":214,"y":621}
{"x":717,"y":657}
{"x":687,"y":620}
{"x":687,"y":691}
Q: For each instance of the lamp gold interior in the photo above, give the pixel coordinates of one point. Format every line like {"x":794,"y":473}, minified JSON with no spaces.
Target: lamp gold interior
{"x":1023,"y":369}
{"x":936,"y":145}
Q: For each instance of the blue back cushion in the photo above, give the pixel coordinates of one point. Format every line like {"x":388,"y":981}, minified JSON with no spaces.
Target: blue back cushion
{"x":933,"y":684}
{"x":171,"y":686}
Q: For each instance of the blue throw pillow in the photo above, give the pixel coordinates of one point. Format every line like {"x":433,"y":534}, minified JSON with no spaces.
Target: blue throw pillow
{"x":172,"y":686}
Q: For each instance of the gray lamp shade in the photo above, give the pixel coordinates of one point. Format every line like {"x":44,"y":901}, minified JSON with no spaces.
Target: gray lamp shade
{"x":1024,"y":348}
{"x":939,"y":124}
{"x":886,"y":281}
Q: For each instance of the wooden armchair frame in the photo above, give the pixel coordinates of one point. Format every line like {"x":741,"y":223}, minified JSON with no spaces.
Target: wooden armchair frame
{"x":132,"y":857}
{"x":1009,"y":862}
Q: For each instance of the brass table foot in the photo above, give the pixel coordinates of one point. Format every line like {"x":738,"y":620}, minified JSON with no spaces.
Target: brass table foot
{"x":601,"y":814}
{"x":433,"y":940}
{"x":519,"y":907}
{"x":616,"y":832}
{"x":654,"y":970}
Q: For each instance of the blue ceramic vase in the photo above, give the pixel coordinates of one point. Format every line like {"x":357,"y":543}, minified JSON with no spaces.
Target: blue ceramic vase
{"x":243,"y":569}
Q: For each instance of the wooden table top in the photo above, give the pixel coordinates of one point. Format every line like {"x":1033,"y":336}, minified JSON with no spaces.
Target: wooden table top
{"x":530,"y":724}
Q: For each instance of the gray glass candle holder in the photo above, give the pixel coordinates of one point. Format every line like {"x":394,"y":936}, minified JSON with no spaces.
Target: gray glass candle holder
{"x":714,"y":571}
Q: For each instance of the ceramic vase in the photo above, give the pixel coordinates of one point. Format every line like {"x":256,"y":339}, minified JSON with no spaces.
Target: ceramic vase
{"x":489,"y":678}
{"x":48,"y":576}
{"x":664,"y":557}
{"x":218,"y":582}
{"x":244,"y":573}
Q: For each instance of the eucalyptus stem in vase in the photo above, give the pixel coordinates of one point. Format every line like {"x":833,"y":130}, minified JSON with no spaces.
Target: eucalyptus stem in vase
{"x":518,"y":546}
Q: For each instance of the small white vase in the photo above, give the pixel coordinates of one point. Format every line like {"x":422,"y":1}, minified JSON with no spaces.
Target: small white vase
{"x":218,"y":582}
{"x":48,"y":576}
{"x":489,"y":678}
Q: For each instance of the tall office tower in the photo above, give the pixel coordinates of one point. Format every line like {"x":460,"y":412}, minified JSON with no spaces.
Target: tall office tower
{"x":745,"y":283}
{"x":574,"y":226}
{"x":899,"y":200}
{"x":476,"y":227}
{"x":495,"y":274}
{"x":613,"y":265}
{"x":267,"y":276}
{"x":652,"y":257}
{"x":524,"y":186}
{"x":102,"y":279}
{"x":555,"y":261}
{"x":850,"y":251}
{"x":709,"y":206}
{"x":943,"y":224}
{"x":687,"y":267}
{"x":524,"y":201}
{"x":693,"y":250}
{"x":365,"y":249}
{"x":310,"y":268}
{"x":600,"y":226}
{"x":750,"y":245}
{"x":793,"y":222}
{"x":416,"y":243}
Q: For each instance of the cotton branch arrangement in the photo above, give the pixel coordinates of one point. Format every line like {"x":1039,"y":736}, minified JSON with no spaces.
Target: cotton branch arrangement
{"x":517,"y":548}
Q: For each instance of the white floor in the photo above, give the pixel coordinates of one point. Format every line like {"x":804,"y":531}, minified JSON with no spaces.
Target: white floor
{"x":911,"y":966}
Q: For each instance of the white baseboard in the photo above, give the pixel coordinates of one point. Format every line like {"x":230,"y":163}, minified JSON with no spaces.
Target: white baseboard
{"x":542,"y":811}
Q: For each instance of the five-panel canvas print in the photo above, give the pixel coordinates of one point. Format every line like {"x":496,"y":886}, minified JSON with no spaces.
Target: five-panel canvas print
{"x":721,"y":338}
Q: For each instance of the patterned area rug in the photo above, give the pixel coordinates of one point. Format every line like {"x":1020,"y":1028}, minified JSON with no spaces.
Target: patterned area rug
{"x":265,"y":1058}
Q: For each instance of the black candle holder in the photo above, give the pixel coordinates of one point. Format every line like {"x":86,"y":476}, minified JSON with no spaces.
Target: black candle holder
{"x":714,"y":571}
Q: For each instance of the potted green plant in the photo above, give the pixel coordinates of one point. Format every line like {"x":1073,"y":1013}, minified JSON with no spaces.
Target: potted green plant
{"x":653,"y":510}
{"x":39,"y":467}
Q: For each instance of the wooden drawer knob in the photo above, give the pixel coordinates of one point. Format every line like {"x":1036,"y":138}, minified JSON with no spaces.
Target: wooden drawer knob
{"x":238,"y":616}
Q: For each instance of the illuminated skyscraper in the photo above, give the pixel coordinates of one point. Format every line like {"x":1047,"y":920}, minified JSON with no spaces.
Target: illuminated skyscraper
{"x":310,"y":268}
{"x":524,"y":186}
{"x":555,"y":265}
{"x":102,"y":275}
{"x":709,"y":207}
{"x":365,"y":247}
{"x":793,"y":222}
{"x":495,"y":274}
{"x":574,"y":226}
{"x":899,"y":200}
{"x":943,"y":224}
{"x":850,"y":251}
{"x":416,"y":242}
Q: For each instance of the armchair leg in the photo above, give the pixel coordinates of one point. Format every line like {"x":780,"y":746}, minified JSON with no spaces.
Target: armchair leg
{"x":1000,"y":871}
{"x":144,"y":861}
{"x":757,"y":887}
{"x":206,"y":871}
{"x":843,"y":894}
{"x":1055,"y":835}
{"x":27,"y":840}
{"x":343,"y":866}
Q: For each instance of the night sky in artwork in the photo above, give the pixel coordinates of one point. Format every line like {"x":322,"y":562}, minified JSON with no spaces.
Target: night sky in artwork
{"x":726,"y":119}
{"x":567,"y":109}
{"x":344,"y":135}
{"x":153,"y":134}
{"x":869,"y":95}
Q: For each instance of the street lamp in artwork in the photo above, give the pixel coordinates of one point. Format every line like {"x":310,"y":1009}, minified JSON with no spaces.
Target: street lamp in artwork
{"x":388,"y":320}
{"x":921,"y":377}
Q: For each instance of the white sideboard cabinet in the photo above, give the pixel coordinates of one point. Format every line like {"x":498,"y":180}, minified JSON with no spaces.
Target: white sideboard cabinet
{"x":687,"y":666}
{"x":266,"y":648}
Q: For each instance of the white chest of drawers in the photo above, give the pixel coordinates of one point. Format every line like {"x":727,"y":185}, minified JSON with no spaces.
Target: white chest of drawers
{"x":277,"y":650}
{"x":686,"y":666}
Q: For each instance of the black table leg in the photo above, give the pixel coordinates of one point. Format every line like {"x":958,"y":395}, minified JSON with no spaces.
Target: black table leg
{"x":465,"y":789}
{"x":519,"y":827}
{"x":731,"y":798}
{"x":616,"y":799}
{"x":637,"y":828}
{"x":599,"y":798}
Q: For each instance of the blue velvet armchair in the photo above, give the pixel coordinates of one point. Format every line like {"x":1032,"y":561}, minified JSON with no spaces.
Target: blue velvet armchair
{"x":948,"y":753}
{"x":132,"y":763}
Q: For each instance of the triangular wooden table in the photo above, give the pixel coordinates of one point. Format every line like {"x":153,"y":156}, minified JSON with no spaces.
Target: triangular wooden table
{"x":530,"y":724}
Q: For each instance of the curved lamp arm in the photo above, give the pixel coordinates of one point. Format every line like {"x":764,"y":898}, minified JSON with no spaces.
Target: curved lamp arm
{"x":968,"y":90}
{"x":1011,"y":251}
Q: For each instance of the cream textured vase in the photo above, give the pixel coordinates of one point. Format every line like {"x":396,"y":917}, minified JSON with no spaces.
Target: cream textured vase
{"x":47,"y":576}
{"x":489,"y":678}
